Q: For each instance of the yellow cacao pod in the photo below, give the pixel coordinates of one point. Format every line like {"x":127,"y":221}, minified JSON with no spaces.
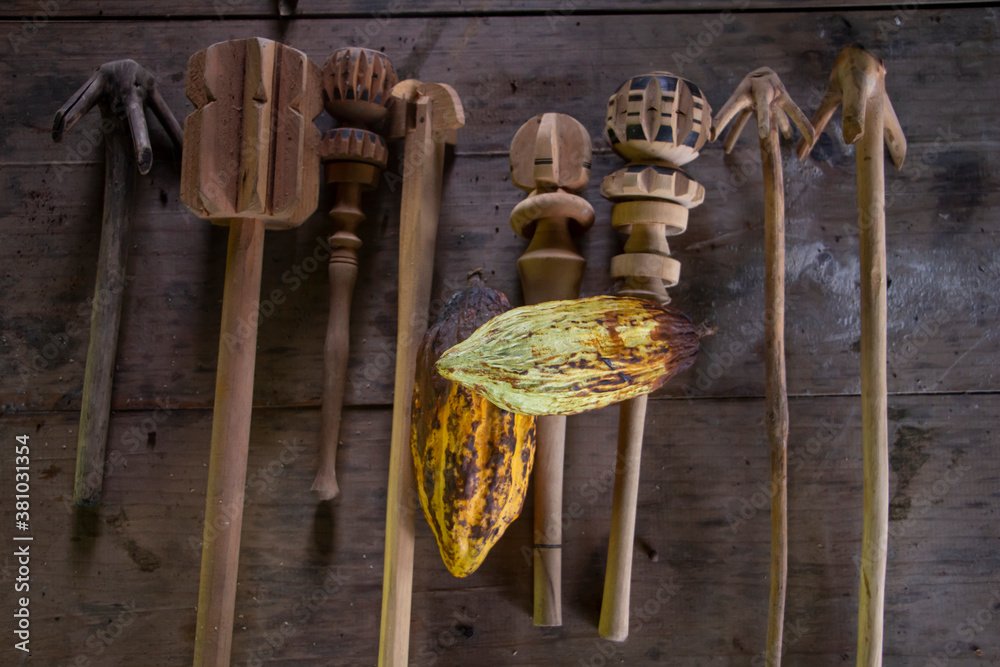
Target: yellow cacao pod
{"x":566,"y":357}
{"x":472,"y":460}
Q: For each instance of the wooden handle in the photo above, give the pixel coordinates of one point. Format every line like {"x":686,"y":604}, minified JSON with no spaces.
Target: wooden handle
{"x":762,"y":92}
{"x":550,"y":157}
{"x":858,"y":79}
{"x":336,"y":354}
{"x":618,"y":580}
{"x":356,"y":91}
{"x":550,"y":439}
{"x":436,"y":112}
{"x":95,"y":409}
{"x":118,"y":86}
{"x":227,"y":464}
{"x":775,"y":385}
{"x":874,"y":416}
{"x":658,"y":122}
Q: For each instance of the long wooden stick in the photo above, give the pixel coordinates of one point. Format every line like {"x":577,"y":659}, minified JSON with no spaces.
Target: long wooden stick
{"x":762,"y":92}
{"x":121,"y":88}
{"x":254,"y":104}
{"x":858,"y":79}
{"x":658,"y":122}
{"x":614,"y":621}
{"x":356,"y":85}
{"x":434,"y":114}
{"x":227,"y":465}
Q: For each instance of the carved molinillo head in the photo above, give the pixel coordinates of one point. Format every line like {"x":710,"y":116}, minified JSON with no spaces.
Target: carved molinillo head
{"x":357,"y":85}
{"x":250,"y":145}
{"x":658,"y":117}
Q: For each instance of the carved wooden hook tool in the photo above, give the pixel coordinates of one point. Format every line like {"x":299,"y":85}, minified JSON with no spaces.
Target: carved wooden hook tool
{"x":550,"y":158}
{"x":658,"y":122}
{"x":356,"y":91}
{"x":858,"y":80}
{"x":122,"y":89}
{"x":763,"y":94}
{"x":432,"y":113}
{"x":251,"y":161}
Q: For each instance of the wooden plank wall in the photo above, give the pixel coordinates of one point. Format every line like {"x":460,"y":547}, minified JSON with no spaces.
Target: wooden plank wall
{"x":118,"y":586}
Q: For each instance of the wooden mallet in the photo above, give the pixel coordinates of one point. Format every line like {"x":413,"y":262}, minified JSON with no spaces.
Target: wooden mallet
{"x":429,"y":115}
{"x":122,"y":89}
{"x":858,"y":79}
{"x":550,"y":158}
{"x":762,"y":93}
{"x":658,"y":122}
{"x":250,"y":161}
{"x":356,"y":91}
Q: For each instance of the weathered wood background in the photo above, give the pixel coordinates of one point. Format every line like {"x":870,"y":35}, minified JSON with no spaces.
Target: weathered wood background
{"x":119,"y":586}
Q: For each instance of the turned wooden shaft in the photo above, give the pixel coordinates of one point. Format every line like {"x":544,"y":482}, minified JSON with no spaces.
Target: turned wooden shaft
{"x":227,"y":464}
{"x":420,"y":208}
{"x":613,"y":624}
{"x":550,"y":437}
{"x":775,"y":384}
{"x":550,"y":253}
{"x":874,"y":415}
{"x":356,"y":92}
{"x":343,"y":272}
{"x":95,"y":408}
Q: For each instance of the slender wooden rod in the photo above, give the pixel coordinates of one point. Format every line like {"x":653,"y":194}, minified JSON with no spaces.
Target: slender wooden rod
{"x":614,"y":623}
{"x":420,"y":208}
{"x":858,"y":80}
{"x":227,"y":465}
{"x":109,"y":292}
{"x":775,"y":386}
{"x":874,"y":407}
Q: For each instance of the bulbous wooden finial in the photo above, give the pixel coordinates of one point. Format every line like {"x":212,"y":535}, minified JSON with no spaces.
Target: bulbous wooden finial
{"x":356,"y":92}
{"x":550,"y":158}
{"x":658,"y":122}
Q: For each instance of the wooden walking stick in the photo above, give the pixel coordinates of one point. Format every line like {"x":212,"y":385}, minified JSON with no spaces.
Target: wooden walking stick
{"x":356,"y":91}
{"x":432,"y":115}
{"x":121,"y":88}
{"x":250,"y":161}
{"x":658,"y":122}
{"x":550,"y":158}
{"x":858,"y":79}
{"x":762,"y":93}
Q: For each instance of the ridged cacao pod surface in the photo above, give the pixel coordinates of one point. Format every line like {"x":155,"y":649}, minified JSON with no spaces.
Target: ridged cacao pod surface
{"x":567,"y":357}
{"x":472,"y":460}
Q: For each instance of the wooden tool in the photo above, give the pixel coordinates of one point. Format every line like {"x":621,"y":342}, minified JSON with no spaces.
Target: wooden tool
{"x":250,"y":161}
{"x":356,"y":91}
{"x":762,"y":93}
{"x":550,"y":158}
{"x":858,"y":79}
{"x":658,"y":122}
{"x":431,"y":114}
{"x":121,"y":88}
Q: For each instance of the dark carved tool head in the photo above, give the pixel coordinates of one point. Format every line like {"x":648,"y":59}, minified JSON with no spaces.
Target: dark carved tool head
{"x":122,"y":88}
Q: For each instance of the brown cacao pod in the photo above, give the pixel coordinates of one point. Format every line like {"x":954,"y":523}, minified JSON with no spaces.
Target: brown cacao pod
{"x":472,"y":460}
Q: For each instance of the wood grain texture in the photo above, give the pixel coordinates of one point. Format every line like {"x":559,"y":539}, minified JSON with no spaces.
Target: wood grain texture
{"x":310,"y":573}
{"x":310,"y":579}
{"x":378,"y":12}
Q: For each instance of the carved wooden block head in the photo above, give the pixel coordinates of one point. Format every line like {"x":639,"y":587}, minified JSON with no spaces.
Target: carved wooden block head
{"x":658,"y":117}
{"x":250,"y":145}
